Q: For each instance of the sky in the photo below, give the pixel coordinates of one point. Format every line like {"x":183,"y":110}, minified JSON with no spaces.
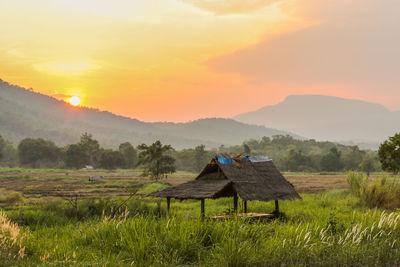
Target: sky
{"x":180,"y":60}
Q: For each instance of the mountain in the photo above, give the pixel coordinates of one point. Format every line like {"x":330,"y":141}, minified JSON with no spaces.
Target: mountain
{"x":328,"y":118}
{"x":24,"y":113}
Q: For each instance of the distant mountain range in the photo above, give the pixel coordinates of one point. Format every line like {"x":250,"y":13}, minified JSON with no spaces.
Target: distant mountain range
{"x":24,"y":113}
{"x":328,"y":118}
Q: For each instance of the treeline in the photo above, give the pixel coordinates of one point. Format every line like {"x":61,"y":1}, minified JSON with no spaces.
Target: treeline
{"x":289,"y":154}
{"x":41,"y":153}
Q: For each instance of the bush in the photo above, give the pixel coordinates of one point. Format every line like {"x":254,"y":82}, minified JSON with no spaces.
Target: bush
{"x":380,"y":192}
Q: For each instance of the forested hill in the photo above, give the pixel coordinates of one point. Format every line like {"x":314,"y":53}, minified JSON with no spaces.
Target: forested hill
{"x":24,"y":113}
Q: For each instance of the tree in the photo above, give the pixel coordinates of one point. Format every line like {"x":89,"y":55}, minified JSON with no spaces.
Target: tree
{"x":246,"y":150}
{"x":111,"y":159}
{"x":76,"y":156}
{"x":129,"y":153}
{"x":155,"y":161}
{"x":389,"y":154}
{"x":332,"y":161}
{"x":353,"y":159}
{"x":34,"y":151}
{"x":92,"y":147}
{"x":200,"y":157}
{"x":367,"y":165}
{"x":9,"y":155}
{"x":2,"y":146}
{"x":297,"y":161}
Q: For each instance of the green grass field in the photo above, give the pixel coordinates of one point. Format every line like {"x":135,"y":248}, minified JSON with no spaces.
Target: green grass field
{"x":330,"y":228}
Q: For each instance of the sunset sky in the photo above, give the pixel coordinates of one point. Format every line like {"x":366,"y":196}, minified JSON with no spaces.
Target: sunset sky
{"x":180,"y":60}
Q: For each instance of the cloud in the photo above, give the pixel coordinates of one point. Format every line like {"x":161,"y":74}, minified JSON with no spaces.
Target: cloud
{"x":347,"y":42}
{"x":65,"y":68}
{"x":61,"y":96}
{"x":223,"y":7}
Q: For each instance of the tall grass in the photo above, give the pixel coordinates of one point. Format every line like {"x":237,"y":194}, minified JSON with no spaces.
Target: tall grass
{"x":326,"y":229}
{"x":172,"y":241}
{"x":379,"y":192}
{"x":10,"y":240}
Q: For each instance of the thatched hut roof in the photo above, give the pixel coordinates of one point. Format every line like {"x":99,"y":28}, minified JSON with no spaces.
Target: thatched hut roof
{"x":250,"y":180}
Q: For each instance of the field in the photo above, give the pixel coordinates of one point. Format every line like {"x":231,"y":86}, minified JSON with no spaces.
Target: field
{"x":59,"y":218}
{"x":39,"y":183}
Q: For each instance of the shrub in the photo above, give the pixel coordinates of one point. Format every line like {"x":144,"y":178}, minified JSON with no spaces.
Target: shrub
{"x":380,"y":192}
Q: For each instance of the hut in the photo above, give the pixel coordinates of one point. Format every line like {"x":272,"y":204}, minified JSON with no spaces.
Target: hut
{"x":250,"y":178}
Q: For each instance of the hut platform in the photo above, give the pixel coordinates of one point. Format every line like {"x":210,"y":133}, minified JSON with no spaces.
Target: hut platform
{"x":250,"y":216}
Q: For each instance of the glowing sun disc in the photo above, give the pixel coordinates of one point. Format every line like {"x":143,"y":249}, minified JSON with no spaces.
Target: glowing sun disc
{"x":74,"y":101}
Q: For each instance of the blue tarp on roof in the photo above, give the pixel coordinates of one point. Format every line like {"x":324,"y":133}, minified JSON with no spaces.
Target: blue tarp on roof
{"x":228,"y":160}
{"x":225,"y":161}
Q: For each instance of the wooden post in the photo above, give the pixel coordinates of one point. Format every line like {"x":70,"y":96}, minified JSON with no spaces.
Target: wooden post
{"x":202,"y":209}
{"x":235,"y":202}
{"x":168,"y":203}
{"x":245,"y":206}
{"x":276,"y":206}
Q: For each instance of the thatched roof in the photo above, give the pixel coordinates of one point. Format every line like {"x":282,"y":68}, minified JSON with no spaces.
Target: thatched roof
{"x":251,"y":180}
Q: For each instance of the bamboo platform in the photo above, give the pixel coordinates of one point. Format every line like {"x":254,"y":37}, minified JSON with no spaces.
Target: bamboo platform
{"x":250,"y":216}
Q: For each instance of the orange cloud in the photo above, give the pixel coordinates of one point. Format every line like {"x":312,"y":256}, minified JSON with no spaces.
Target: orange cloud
{"x":221,"y":7}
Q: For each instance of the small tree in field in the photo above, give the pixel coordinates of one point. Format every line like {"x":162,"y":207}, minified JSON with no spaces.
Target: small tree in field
{"x":367,"y":165}
{"x":389,"y":154}
{"x":155,"y":161}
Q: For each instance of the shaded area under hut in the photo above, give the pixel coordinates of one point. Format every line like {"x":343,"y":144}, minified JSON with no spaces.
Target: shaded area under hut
{"x":250,"y":178}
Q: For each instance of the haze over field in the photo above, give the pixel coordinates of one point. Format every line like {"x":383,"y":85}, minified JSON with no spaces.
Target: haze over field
{"x":180,"y":60}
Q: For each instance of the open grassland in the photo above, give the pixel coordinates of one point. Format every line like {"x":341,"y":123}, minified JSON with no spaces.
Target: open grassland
{"x":104,"y":227}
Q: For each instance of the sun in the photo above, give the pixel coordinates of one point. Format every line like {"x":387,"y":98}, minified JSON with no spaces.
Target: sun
{"x":74,"y":101}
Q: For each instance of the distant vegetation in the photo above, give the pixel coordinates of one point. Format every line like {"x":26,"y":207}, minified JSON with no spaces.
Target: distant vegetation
{"x":289,"y":154}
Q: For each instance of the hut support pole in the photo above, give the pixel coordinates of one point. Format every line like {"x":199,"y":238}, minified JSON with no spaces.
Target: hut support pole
{"x":276,"y":206}
{"x":168,"y":203}
{"x":245,"y":206}
{"x":202,"y":209}
{"x":235,"y":202}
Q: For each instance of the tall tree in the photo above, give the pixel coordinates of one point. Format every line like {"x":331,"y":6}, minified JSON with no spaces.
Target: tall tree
{"x":2,"y":146}
{"x":246,"y":149}
{"x":367,"y":165}
{"x":155,"y":160}
{"x":92,"y":147}
{"x":297,"y":161}
{"x":389,"y":154}
{"x":332,"y":161}
{"x":129,"y":153}
{"x":200,"y":157}
{"x":353,"y":158}
{"x":77,"y":156}
{"x":34,"y":151}
{"x":111,"y":159}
